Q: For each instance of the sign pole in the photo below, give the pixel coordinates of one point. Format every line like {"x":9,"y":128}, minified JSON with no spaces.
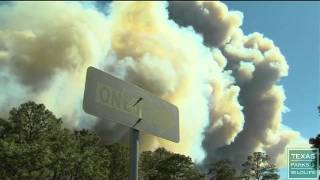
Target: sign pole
{"x":134,"y":156}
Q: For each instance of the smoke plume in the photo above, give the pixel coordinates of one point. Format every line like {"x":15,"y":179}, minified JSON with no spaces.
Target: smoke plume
{"x":211,"y":19}
{"x":192,"y":54}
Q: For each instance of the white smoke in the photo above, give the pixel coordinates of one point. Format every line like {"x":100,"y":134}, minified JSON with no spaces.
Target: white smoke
{"x":192,"y":54}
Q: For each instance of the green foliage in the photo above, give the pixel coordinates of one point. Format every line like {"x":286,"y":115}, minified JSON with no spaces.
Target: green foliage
{"x":34,"y":145}
{"x":258,"y":167}
{"x":315,"y":142}
{"x":31,"y":122}
{"x":25,"y":151}
{"x":90,"y":157}
{"x":118,"y":162}
{"x":222,"y":170}
{"x":164,"y":165}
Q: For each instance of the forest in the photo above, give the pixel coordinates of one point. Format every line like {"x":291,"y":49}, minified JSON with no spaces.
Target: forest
{"x":34,"y":144}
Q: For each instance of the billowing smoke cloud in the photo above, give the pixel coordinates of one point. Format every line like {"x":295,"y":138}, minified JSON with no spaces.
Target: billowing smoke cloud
{"x":192,"y":54}
{"x":211,"y":19}
{"x":154,"y":53}
{"x":45,"y":53}
{"x":257,"y":65}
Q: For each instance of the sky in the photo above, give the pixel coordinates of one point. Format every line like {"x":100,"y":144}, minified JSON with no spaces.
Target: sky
{"x":295,"y":28}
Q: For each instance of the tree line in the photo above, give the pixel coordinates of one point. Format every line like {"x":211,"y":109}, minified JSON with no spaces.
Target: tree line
{"x":35,"y":145}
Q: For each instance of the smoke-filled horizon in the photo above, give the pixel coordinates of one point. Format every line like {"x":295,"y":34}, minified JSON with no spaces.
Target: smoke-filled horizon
{"x":192,"y":54}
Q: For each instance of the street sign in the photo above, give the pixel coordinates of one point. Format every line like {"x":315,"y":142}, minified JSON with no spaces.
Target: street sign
{"x":110,"y":98}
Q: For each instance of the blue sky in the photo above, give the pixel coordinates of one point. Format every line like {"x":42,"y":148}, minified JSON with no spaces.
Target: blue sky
{"x":295,"y":28}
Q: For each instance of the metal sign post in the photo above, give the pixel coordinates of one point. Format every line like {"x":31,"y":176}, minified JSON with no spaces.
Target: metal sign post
{"x":134,"y":148}
{"x":134,"y":154}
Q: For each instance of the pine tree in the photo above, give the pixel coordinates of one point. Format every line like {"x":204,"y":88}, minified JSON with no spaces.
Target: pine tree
{"x":259,"y":167}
